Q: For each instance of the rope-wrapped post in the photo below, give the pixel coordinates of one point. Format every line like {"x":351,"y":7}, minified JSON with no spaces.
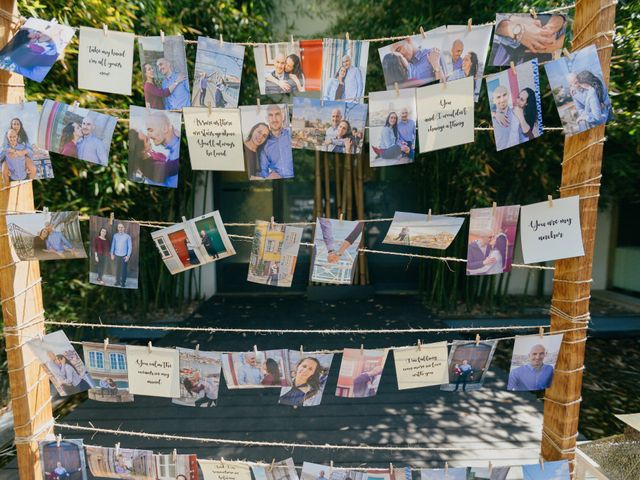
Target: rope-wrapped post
{"x":572,"y":286}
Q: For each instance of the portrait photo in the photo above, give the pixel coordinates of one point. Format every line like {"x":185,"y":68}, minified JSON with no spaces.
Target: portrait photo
{"x":63,"y":461}
{"x":309,"y":374}
{"x":124,"y":463}
{"x":344,"y":69}
{"x":46,"y":236}
{"x":279,"y":68}
{"x":533,"y":362}
{"x":107,"y":365}
{"x":492,"y":237}
{"x":21,"y":158}
{"x":453,"y":473}
{"x":61,"y":362}
{"x":328,"y":126}
{"x":422,"y":230}
{"x":520,"y":37}
{"x":165,"y":77}
{"x":579,"y":91}
{"x":218,"y":72}
{"x":76,"y":132}
{"x":311,"y":56}
{"x":114,"y":252}
{"x":514,"y":101}
{"x":35,"y":48}
{"x":392,"y":127}
{"x":154,"y":146}
{"x":266,"y":135}
{"x":558,"y":470}
{"x":257,"y":369}
{"x":199,"y":378}
{"x":335,"y":250}
{"x":468,"y":365}
{"x":176,"y":467}
{"x":360,"y":372}
{"x":282,"y":470}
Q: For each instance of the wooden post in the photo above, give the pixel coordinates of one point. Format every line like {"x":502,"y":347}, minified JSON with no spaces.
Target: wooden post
{"x":594,"y":21}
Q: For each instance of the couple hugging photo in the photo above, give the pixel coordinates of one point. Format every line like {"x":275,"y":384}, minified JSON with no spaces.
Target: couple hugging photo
{"x":279,"y":67}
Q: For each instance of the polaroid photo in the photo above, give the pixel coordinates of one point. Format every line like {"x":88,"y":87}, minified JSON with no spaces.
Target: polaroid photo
{"x":422,"y":230}
{"x":520,"y":37}
{"x":105,"y":60}
{"x":61,"y":362}
{"x":46,"y":236}
{"x":344,"y":69}
{"x":456,"y":473}
{"x":579,"y":91}
{"x":533,"y":362}
{"x":360,"y":372}
{"x":421,"y":366}
{"x":227,"y":470}
{"x":114,"y":252}
{"x":468,"y":365}
{"x":309,"y":374}
{"x":165,"y":76}
{"x":284,"y":469}
{"x":35,"y":48}
{"x":153,"y":371}
{"x":274,"y":252}
{"x":218,"y":72}
{"x":558,"y":470}
{"x":124,"y":463}
{"x":492,"y":237}
{"x":21,"y":158}
{"x":311,"y":57}
{"x":266,"y":134}
{"x":279,"y":68}
{"x":107,"y":365}
{"x":483,"y":473}
{"x":76,"y":132}
{"x":199,"y":378}
{"x":335,"y":250}
{"x":392,"y":127}
{"x":257,"y":369}
{"x":176,"y":467}
{"x":514,"y":101}
{"x":64,"y":460}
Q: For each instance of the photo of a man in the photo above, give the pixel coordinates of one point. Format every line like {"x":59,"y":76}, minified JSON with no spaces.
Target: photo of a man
{"x":344,"y":69}
{"x":279,"y":68}
{"x":533,"y":362}
{"x":114,"y":252}
{"x":257,"y":369}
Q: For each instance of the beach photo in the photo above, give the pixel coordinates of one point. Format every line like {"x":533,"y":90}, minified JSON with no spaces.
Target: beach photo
{"x":279,"y":68}
{"x":123,"y":463}
{"x":468,"y":365}
{"x":274,"y":252}
{"x":107,"y":365}
{"x":199,"y":378}
{"x":422,"y":230}
{"x":257,"y":369}
{"x":533,"y":362}
{"x":335,"y":250}
{"x":114,"y":252}
{"x":309,"y":374}
{"x":344,"y":69}
{"x":63,"y":460}
{"x":360,"y":372}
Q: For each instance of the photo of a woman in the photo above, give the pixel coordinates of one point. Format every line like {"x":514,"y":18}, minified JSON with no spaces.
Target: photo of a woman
{"x":469,"y":67}
{"x":153,"y":95}
{"x":345,"y":142}
{"x":597,"y":107}
{"x":71,"y":134}
{"x":100,"y":253}
{"x":293,"y":67}
{"x":306,"y":383}
{"x":73,"y":381}
{"x":271,"y":372}
{"x":526,"y":111}
{"x":253,"y":145}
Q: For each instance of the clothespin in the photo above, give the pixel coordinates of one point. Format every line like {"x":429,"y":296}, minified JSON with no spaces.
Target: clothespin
{"x":469,"y":25}
{"x":222,"y":461}
{"x":221,"y":41}
{"x":273,"y":462}
{"x":273,"y":222}
{"x":533,"y":13}
{"x":255,"y":349}
{"x":301,"y":350}
{"x":490,"y":468}
{"x":292,"y":42}
{"x":541,"y":331}
{"x":22,"y":102}
{"x":419,"y":344}
{"x":209,"y":106}
{"x":111,"y":219}
{"x":566,"y":52}
{"x":174,"y":455}
{"x":184,"y":219}
{"x":330,"y":468}
{"x":197,"y":348}
{"x":446,"y":469}
{"x":397,"y":89}
{"x":391,"y":469}
{"x":149,"y":346}
{"x":162,"y":36}
{"x":422,"y":32}
{"x":550,"y":200}
{"x":105,"y":30}
{"x":106,"y":343}
{"x":346,"y":36}
{"x":148,"y":105}
{"x":41,"y":336}
{"x":541,"y":460}
{"x":429,"y":216}
{"x":341,"y":217}
{"x":58,"y":440}
{"x":75,"y":106}
{"x":494,"y":207}
{"x":45,"y":209}
{"x":477,"y":339}
{"x":117,"y":449}
{"x":258,"y":105}
{"x":513,"y":67}
{"x":362,"y":349}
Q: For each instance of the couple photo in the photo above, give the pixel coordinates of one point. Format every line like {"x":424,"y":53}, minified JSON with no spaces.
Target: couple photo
{"x":468,"y":365}
{"x":360,"y":372}
{"x":257,"y":369}
{"x":107,"y":365}
{"x":124,"y":463}
{"x":279,"y":68}
{"x":344,"y":69}
{"x":218,"y":71}
{"x":335,"y":250}
{"x":199,"y":378}
{"x":114,"y":252}
{"x":392,"y":127}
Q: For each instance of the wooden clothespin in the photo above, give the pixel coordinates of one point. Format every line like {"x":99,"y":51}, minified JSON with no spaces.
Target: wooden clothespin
{"x":494,"y":207}
{"x":330,"y":468}
{"x":533,"y":13}
{"x":117,"y":449}
{"x":221,"y":41}
{"x":550,"y":200}
{"x":541,"y":460}
{"x":273,"y":462}
{"x":301,"y":350}
{"x":162,"y":36}
{"x":105,"y":30}
{"x":292,"y":42}
{"x":446,"y":469}
{"x":490,"y":468}
{"x":346,"y":36}
{"x":258,"y":105}
{"x":391,"y":469}
{"x":209,"y":106}
{"x":75,"y":106}
{"x":422,"y":32}
{"x":174,"y":455}
{"x":255,"y":349}
{"x":362,"y":349}
{"x":184,"y":219}
{"x":469,"y":25}
{"x":106,"y":343}
{"x":45,"y":209}
{"x":222,"y":461}
{"x":149,"y":346}
{"x":273,"y":222}
{"x":477,"y":339}
{"x":397,"y":89}
{"x":58,"y":440}
{"x":419,"y":344}
{"x":429,"y":216}
{"x":111,"y":219}
{"x":341,"y":217}
{"x":541,"y":332}
{"x":566,"y":52}
{"x":197,"y":348}
{"x":513,"y":67}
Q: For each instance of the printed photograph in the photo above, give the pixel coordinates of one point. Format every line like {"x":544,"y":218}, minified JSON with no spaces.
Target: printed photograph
{"x":492,"y":237}
{"x":283,"y":470}
{"x":266,"y":137}
{"x":468,"y":365}
{"x":579,"y":91}
{"x":35,"y":48}
{"x":311,"y":57}
{"x":114,"y":252}
{"x":552,"y":471}
{"x":482,"y":473}
{"x":279,"y":68}
{"x":335,"y":250}
{"x":165,"y":77}
{"x":122,"y":463}
{"x":20,"y":157}
{"x":514,"y":101}
{"x":344,"y":69}
{"x":154,"y":146}
{"x":360,"y":372}
{"x":178,"y":467}
{"x":199,"y":378}
{"x":328,"y":126}
{"x":257,"y":369}
{"x":392,"y":127}
{"x":274,"y":252}
{"x":316,"y":471}
{"x":520,"y":37}
{"x":61,"y":362}
{"x":63,"y":461}
{"x":533,"y":362}
{"x":218,"y":72}
{"x":456,"y":473}
{"x":107,"y":366}
{"x":420,"y":230}
{"x":309,"y":374}
{"x":46,"y":236}
{"x":76,"y":132}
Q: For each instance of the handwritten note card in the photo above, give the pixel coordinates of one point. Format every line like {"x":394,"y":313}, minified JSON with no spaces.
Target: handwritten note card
{"x":551,"y":232}
{"x":445,"y":114}
{"x":422,"y":367}
{"x":215,"y":140}
{"x":154,"y":373}
{"x":105,"y":61}
{"x":215,"y":470}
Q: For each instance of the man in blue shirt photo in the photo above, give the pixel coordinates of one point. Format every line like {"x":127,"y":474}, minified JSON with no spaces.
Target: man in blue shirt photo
{"x":535,"y":375}
{"x":91,"y":148}
{"x":276,"y":158}
{"x":121,"y":248}
{"x":180,"y":96}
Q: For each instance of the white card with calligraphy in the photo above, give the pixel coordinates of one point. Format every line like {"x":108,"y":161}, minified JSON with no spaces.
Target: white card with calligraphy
{"x":153,"y":371}
{"x":551,"y":230}
{"x":422,"y":366}
{"x":215,"y":138}
{"x":216,"y":470}
{"x":445,"y":114}
{"x":105,"y":61}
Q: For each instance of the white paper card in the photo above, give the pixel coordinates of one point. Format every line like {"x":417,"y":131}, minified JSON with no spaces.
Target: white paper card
{"x":105,"y":62}
{"x":551,"y":233}
{"x":421,"y":367}
{"x":445,"y":114}
{"x":155,"y":373}
{"x":215,"y":470}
